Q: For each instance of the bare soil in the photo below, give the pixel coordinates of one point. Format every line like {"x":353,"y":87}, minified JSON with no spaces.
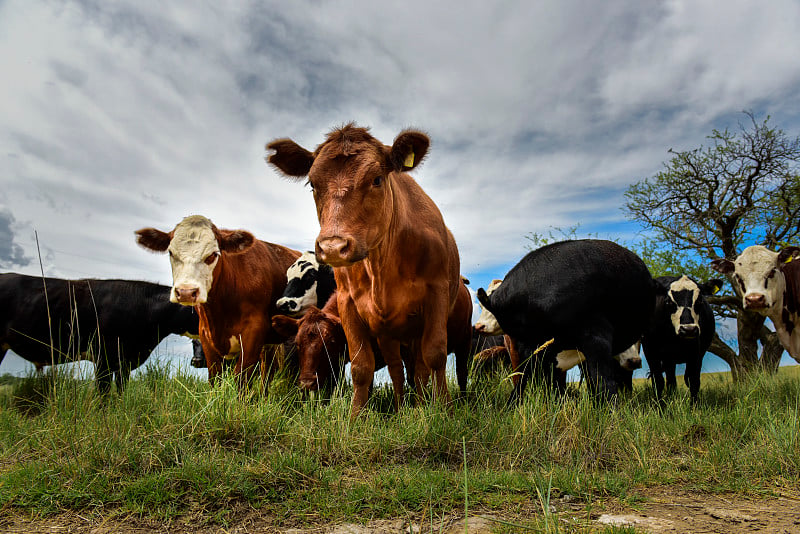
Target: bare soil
{"x":662,"y":510}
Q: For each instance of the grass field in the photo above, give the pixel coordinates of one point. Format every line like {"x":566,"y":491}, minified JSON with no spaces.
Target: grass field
{"x":172,"y":446}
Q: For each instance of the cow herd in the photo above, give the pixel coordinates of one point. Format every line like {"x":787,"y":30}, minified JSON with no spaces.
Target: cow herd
{"x":383,"y":288}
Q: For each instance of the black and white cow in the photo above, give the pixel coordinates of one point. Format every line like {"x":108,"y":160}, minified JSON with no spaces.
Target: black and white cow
{"x":115,"y":323}
{"x":769,"y":283}
{"x":590,"y":296}
{"x":488,"y":327}
{"x":310,"y":283}
{"x":680,"y":332}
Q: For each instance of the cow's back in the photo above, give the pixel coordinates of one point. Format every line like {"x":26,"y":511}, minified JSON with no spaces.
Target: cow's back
{"x":246,"y":288}
{"x":562,"y":288}
{"x":107,"y":316}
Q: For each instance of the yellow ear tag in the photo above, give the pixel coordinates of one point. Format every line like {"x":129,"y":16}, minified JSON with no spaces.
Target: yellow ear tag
{"x":790,"y":258}
{"x":716,"y":289}
{"x":409,"y":162}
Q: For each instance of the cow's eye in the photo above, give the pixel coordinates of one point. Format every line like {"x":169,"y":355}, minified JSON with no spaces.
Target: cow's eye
{"x":378,"y":181}
{"x":211,"y":258}
{"x":740,"y":282}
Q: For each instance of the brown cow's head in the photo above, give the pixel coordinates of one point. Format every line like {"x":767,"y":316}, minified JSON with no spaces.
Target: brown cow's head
{"x":320,"y":343}
{"x":351,"y":176}
{"x":194,"y":249}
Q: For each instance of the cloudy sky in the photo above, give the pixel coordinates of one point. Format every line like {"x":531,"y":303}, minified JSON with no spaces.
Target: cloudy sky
{"x":116,"y":115}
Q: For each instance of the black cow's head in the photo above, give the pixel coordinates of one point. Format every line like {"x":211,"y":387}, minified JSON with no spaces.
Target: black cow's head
{"x":307,"y":279}
{"x":682,"y":301}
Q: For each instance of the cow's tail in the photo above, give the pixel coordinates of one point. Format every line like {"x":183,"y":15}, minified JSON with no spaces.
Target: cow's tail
{"x":483,"y":298}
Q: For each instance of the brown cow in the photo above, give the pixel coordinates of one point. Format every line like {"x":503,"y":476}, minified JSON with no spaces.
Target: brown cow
{"x":233,"y":281}
{"x":322,"y":345}
{"x":396,"y":263}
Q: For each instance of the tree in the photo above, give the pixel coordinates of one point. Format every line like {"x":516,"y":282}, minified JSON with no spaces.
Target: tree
{"x":709,"y":202}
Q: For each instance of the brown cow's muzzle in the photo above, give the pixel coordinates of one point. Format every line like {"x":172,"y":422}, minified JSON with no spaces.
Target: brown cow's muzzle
{"x":309,"y":382}
{"x":187,"y":296}
{"x":337,"y":251}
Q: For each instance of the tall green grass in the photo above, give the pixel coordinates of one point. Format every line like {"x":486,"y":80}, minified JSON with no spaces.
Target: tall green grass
{"x":173,"y":445}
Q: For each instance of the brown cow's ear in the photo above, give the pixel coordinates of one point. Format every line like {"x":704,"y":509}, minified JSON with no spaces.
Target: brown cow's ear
{"x":153,"y":239}
{"x":788,"y":254}
{"x":285,"y":326}
{"x":408,"y":150}
{"x":723,"y":266}
{"x":290,"y":158}
{"x":235,"y":241}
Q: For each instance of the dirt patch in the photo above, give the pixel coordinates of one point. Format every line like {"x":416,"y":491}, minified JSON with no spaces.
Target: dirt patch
{"x":669,"y":511}
{"x":662,"y":511}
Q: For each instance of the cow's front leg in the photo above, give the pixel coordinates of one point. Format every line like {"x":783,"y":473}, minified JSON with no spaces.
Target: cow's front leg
{"x":250,"y":346}
{"x":692,"y":378}
{"x":434,"y":346}
{"x":214,"y":359}
{"x":362,"y":357}
{"x":672,"y":383}
{"x":390,"y":349}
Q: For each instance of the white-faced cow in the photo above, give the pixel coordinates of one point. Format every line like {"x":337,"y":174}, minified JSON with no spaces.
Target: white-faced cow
{"x":310,"y":283}
{"x":680,"y":332}
{"x":590,"y":296}
{"x":233,"y":281}
{"x":115,"y":323}
{"x":396,"y":263}
{"x":769,"y":283}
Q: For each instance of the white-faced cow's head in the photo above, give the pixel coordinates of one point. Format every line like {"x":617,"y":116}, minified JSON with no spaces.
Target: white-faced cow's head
{"x":194,"y":247}
{"x":304,"y":281}
{"x":681,"y":301}
{"x":351,"y":174}
{"x":757,"y":274}
{"x":487,"y":324}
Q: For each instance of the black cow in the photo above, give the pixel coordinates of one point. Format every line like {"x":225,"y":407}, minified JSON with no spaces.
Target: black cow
{"x":589,"y":295}
{"x":310,"y":283}
{"x":680,"y":332}
{"x":115,"y":323}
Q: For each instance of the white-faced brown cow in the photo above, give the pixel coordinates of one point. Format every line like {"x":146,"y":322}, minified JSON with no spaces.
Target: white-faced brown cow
{"x":769,"y":283}
{"x":233,"y":281}
{"x":396,"y":263}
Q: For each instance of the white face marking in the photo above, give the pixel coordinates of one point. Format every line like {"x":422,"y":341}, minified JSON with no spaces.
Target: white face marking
{"x":755,"y":277}
{"x":629,"y":358}
{"x":305,"y":263}
{"x":683,"y":284}
{"x":567,"y":359}
{"x":193,"y":243}
{"x":487,"y":323}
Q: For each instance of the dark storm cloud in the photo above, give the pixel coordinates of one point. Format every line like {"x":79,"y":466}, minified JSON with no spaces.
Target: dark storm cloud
{"x":11,"y":254}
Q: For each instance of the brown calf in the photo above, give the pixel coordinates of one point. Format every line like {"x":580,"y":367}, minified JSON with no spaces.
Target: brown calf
{"x":321,"y":344}
{"x":396,"y":263}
